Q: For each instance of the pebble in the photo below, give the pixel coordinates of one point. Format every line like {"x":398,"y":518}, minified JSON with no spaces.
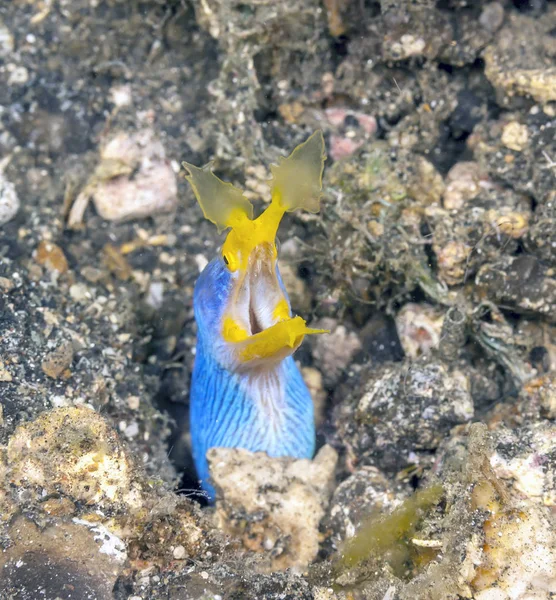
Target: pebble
{"x":92,"y":274}
{"x":133,"y":402}
{"x":492,"y":16}
{"x":407,"y":46}
{"x":4,"y":373}
{"x":59,"y":507}
{"x":18,"y":76}
{"x":57,"y":361}
{"x":6,"y":40}
{"x":79,"y":292}
{"x":201,"y":261}
{"x":153,"y":187}
{"x":179,"y":553}
{"x":515,"y":136}
{"x":6,"y":285}
{"x":419,"y":327}
{"x":462,"y":184}
{"x":52,"y":257}
{"x":131,"y":430}
{"x":9,"y":200}
{"x":73,"y":452}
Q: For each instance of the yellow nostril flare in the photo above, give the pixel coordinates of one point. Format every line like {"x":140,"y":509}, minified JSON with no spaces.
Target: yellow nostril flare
{"x":296,"y":183}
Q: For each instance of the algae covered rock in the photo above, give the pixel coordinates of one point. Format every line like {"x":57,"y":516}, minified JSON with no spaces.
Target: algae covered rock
{"x":76,"y":509}
{"x":523,"y":283}
{"x":519,"y":61}
{"x":75,"y":452}
{"x":400,"y":410}
{"x":274,"y":505}
{"x":364,"y":493}
{"x":526,"y":458}
{"x":518,"y":151}
{"x":62,"y":560}
{"x":375,"y":208}
{"x":470,"y":537}
{"x":483,"y":223}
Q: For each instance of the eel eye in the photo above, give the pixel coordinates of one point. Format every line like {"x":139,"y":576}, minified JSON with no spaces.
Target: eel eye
{"x":230,"y":261}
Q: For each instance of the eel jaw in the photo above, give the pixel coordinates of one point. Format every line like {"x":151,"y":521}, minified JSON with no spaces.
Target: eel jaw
{"x":258,"y":326}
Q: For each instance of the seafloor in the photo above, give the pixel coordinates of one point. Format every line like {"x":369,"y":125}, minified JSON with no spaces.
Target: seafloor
{"x":432,"y":262}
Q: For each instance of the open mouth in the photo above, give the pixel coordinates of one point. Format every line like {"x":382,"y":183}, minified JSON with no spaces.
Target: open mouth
{"x":259,"y":323}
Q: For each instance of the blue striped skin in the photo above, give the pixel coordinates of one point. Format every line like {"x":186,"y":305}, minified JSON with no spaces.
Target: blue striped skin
{"x":270,"y":411}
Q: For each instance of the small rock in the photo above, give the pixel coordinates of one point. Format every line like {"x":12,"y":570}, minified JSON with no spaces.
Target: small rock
{"x":92,"y":274}
{"x":426,"y":184}
{"x":521,"y":283}
{"x":452,"y":261}
{"x":79,"y":292}
{"x":132,"y":430}
{"x":516,"y":557}
{"x":519,"y":62}
{"x":179,"y":553}
{"x":18,"y":76}
{"x":121,"y":95}
{"x":545,"y":390}
{"x":9,"y":200}
{"x":541,"y":237}
{"x":57,"y":361}
{"x":365,"y":492}
{"x":273,"y":504}
{"x":201,"y":261}
{"x":515,"y":136}
{"x":343,"y":147}
{"x":155,"y":295}
{"x":133,"y":180}
{"x":419,"y":327}
{"x":5,"y":375}
{"x":52,"y":257}
{"x":133,"y":402}
{"x":463,"y":183}
{"x":527,"y":458}
{"x":6,"y":41}
{"x":6,"y":285}
{"x":407,"y":45}
{"x":492,"y":16}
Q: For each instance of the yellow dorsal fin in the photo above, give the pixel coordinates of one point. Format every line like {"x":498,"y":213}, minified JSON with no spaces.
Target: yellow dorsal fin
{"x":221,"y":203}
{"x":297,"y":179}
